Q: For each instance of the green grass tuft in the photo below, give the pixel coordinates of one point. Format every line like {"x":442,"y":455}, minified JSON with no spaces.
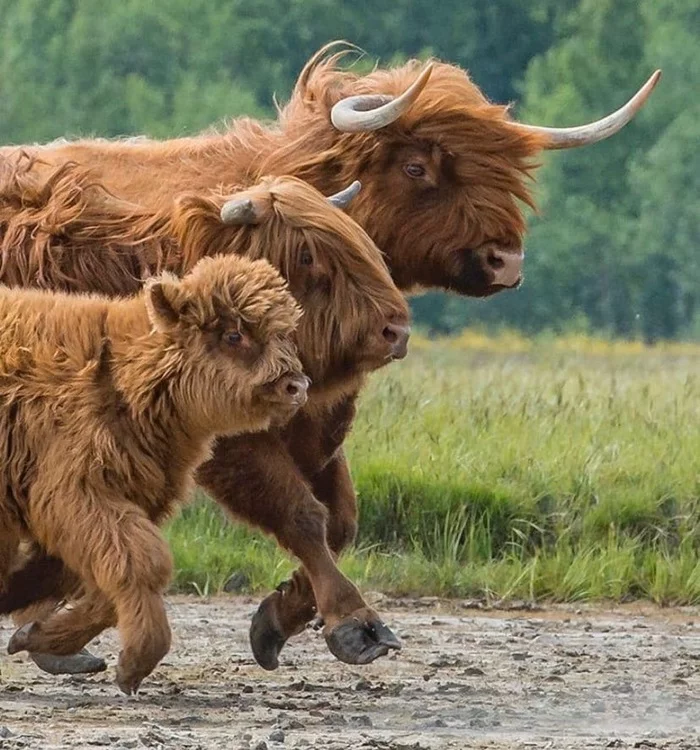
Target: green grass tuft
{"x":545,"y":473}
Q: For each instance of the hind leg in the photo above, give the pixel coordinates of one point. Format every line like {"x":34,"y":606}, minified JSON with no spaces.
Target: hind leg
{"x":39,"y":577}
{"x":126,"y":565}
{"x":66,"y":630}
{"x":10,"y":538}
{"x":33,"y":593}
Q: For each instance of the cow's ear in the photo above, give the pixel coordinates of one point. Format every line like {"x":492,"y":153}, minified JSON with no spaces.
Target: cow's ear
{"x":164,"y":302}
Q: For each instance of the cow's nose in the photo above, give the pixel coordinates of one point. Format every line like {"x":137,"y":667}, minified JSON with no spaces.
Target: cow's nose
{"x":504,"y":266}
{"x":397,"y":336}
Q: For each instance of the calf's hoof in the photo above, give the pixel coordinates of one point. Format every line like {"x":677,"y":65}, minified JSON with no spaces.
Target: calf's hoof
{"x":128,"y":684}
{"x":81,"y":663}
{"x":360,"y":638}
{"x":267,"y":638}
{"x":129,"y":677}
{"x":20,"y":638}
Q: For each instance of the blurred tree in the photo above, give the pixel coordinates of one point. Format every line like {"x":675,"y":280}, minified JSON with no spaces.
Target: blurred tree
{"x":615,"y":247}
{"x":665,"y":179}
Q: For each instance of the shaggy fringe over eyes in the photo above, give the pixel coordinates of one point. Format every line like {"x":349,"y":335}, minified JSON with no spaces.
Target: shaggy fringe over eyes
{"x":494,"y":160}
{"x":251,"y":290}
{"x":62,"y":230}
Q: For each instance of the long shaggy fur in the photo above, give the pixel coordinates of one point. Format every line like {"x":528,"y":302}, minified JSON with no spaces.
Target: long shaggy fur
{"x":346,"y":291}
{"x":478,"y":170}
{"x":57,"y":234}
{"x":479,"y":165}
{"x":106,"y":408}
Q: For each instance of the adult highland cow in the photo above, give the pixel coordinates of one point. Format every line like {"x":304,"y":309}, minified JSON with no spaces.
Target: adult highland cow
{"x":106,"y":408}
{"x":444,"y":172}
{"x":355,"y":321}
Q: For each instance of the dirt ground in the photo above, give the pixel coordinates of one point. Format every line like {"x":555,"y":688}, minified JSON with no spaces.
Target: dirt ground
{"x":466,"y":678}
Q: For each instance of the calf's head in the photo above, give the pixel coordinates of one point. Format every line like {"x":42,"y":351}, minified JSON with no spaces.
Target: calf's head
{"x":228,"y":326}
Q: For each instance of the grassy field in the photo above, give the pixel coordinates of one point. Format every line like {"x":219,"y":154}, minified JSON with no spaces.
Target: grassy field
{"x":565,"y":469}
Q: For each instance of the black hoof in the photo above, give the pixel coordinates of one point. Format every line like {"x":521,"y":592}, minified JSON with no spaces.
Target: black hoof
{"x":266,"y":636}
{"x":356,"y":641}
{"x":81,"y":663}
{"x":20,"y":639}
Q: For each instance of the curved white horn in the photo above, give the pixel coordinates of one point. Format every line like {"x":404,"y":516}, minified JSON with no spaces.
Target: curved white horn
{"x":373,"y":111}
{"x":584,"y":135}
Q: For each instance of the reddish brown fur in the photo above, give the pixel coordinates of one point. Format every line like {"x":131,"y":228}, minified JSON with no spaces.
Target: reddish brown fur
{"x":106,"y":408}
{"x":432,"y":229}
{"x":477,"y":164}
{"x":347,"y":294}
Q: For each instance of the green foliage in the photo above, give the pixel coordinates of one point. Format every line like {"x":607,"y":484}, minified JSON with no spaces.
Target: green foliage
{"x":541,"y":474}
{"x":615,"y":247}
{"x":620,"y":223}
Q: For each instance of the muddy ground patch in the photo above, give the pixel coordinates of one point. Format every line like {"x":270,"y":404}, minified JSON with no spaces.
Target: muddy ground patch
{"x":562,"y":678}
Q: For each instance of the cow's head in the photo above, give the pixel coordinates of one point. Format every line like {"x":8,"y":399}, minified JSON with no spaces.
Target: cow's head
{"x":355,"y":319}
{"x":445,"y":172}
{"x":227,"y":333}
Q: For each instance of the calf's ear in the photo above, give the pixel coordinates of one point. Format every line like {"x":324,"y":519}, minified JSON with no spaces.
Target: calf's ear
{"x":163,"y":303}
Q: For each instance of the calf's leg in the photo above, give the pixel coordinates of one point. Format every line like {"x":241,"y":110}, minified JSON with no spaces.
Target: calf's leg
{"x":66,"y":630}
{"x":256,"y":478}
{"x":126,"y":565}
{"x":33,"y":593}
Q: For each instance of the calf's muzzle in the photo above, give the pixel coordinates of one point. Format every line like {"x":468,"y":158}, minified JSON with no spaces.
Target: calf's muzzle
{"x":293,"y":389}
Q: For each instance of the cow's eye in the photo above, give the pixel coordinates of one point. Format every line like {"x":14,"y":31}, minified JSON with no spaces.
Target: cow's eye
{"x":414,"y":170}
{"x":233,"y":338}
{"x":306,"y":258}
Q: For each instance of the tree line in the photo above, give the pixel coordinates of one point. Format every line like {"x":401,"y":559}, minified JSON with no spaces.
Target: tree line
{"x":614,"y":247}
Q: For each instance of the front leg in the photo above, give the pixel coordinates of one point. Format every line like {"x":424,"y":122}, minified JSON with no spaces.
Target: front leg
{"x":255,"y":477}
{"x":288,"y":610}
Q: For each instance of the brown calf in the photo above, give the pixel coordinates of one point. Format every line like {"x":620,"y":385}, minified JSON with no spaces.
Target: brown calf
{"x":106,"y":407}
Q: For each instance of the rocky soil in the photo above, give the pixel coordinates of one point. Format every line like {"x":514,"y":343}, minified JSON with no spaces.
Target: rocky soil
{"x":563,"y":678}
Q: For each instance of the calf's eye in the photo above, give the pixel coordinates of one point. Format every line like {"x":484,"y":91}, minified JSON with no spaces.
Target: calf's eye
{"x":233,"y":338}
{"x":414,"y":170}
{"x":306,"y":258}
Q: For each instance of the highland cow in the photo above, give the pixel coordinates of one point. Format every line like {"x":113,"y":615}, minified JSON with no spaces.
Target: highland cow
{"x":106,"y":408}
{"x":445,"y":173}
{"x":355,"y":321}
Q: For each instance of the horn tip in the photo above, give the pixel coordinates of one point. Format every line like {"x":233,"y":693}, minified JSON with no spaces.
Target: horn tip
{"x":649,"y":86}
